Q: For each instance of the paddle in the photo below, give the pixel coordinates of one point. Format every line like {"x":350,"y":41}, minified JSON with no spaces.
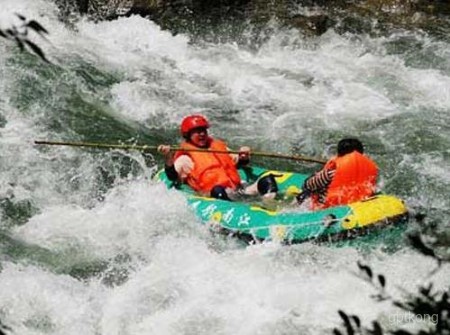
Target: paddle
{"x":174,"y":148}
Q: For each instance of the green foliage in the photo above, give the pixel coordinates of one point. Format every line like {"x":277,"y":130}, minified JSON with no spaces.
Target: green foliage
{"x":427,"y":303}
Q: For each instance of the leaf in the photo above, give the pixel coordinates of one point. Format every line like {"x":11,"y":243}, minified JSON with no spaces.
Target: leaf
{"x":444,"y":304}
{"x":2,"y":34}
{"x":37,"y":27}
{"x":336,"y":331}
{"x":419,"y":245}
{"x":366,"y":269}
{"x":23,"y":18}
{"x":343,"y":316}
{"x":36,"y":50}
{"x":377,"y":330}
{"x":4,"y":328}
{"x":356,"y":320}
{"x":401,"y":332}
{"x":379,"y":297}
{"x":425,"y":291}
{"x":382,"y":280}
{"x":404,"y":306}
{"x":347,"y":323}
{"x":19,"y":44}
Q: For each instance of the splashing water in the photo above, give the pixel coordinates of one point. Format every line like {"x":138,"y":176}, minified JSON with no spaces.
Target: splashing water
{"x":89,"y":243}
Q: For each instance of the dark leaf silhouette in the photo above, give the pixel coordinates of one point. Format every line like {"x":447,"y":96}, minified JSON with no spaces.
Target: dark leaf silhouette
{"x":4,"y":328}
{"x":356,"y":320}
{"x":377,"y":330}
{"x":379,"y":297}
{"x":336,"y":331}
{"x":425,"y":290}
{"x":23,"y":18}
{"x":366,"y":269}
{"x":347,"y":323}
{"x":36,"y":50}
{"x":20,"y":44}
{"x":401,"y":332}
{"x":401,"y":305}
{"x":37,"y":27}
{"x":428,"y":303}
{"x":20,"y":36}
{"x":419,"y":245}
{"x":444,"y":303}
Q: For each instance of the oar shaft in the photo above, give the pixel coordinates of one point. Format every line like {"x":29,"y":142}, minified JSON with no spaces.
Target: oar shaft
{"x":258,"y":153}
{"x":99,"y":145}
{"x":292,"y":157}
{"x":174,"y":148}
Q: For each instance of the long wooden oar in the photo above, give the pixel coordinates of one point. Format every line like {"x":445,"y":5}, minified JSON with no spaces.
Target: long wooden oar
{"x":175,"y":148}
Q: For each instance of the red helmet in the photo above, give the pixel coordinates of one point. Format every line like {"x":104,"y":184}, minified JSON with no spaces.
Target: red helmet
{"x":193,"y":121}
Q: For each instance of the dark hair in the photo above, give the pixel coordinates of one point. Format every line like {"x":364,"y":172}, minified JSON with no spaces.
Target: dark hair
{"x":348,"y":145}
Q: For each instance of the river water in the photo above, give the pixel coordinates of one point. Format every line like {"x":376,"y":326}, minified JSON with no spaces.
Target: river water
{"x":90,"y":244}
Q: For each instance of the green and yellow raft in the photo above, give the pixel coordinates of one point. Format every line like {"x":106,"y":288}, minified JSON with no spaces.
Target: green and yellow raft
{"x":292,"y":225}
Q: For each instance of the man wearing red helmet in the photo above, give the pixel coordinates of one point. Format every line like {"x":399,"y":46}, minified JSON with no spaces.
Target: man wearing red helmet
{"x":211,"y":173}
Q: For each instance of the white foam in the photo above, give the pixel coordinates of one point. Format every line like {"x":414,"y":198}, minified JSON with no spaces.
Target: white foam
{"x":127,"y":220}
{"x":34,"y":301}
{"x":180,"y":279}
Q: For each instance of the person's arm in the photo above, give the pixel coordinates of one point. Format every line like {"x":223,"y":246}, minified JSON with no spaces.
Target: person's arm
{"x":171,"y":173}
{"x":319,"y":181}
{"x":316,"y":184}
{"x":183,"y":166}
{"x":169,"y":166}
{"x":179,"y":169}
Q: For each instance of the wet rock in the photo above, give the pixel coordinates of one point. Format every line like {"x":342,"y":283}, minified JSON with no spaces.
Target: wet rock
{"x":365,"y":16}
{"x":144,"y":7}
{"x":315,"y":24}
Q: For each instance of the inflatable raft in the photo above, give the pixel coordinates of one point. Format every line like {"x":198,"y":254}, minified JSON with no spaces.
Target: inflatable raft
{"x":256,"y":221}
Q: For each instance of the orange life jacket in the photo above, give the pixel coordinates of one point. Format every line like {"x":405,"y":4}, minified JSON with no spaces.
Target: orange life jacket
{"x":210,"y":169}
{"x":355,"y":179}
